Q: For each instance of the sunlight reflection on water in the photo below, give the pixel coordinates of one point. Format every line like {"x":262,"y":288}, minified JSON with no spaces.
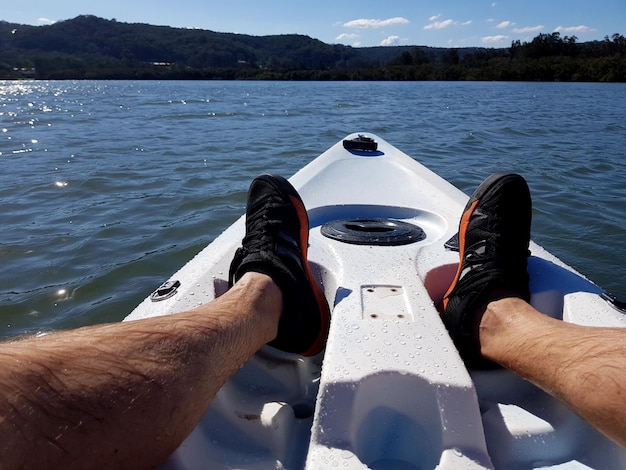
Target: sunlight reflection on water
{"x":109,"y":187}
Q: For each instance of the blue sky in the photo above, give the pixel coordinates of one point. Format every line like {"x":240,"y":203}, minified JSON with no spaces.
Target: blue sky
{"x":442,"y":23}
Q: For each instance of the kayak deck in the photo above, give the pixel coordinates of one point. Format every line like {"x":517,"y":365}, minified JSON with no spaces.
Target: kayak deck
{"x":390,"y":390}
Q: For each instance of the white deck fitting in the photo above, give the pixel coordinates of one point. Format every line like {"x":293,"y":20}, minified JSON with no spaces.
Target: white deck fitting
{"x":390,"y":391}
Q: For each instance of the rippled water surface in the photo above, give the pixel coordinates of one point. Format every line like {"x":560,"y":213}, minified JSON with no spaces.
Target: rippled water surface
{"x":107,"y":188}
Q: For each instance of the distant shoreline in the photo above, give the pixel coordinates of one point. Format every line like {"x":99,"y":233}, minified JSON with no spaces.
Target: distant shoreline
{"x":88,"y":47}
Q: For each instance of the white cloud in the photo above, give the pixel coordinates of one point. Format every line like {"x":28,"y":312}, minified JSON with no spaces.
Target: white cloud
{"x":573,"y":29}
{"x":439,"y":24}
{"x":494,"y":39}
{"x":391,"y":41}
{"x":446,"y":23}
{"x":45,"y":21}
{"x":505,"y":24}
{"x":434,"y":17}
{"x":372,"y":23}
{"x":529,"y":29}
{"x":346,"y":37}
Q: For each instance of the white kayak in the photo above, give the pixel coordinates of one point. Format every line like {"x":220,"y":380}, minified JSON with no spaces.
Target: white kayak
{"x":389,"y":391}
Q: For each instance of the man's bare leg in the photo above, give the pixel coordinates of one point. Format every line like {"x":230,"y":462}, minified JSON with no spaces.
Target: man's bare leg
{"x":488,"y":316}
{"x":582,"y":366}
{"x":125,"y":395}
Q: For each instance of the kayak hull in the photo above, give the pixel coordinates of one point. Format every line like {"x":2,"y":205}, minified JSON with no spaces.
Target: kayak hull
{"x":390,"y":390}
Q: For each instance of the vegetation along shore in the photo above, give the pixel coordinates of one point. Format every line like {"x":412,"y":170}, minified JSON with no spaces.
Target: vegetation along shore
{"x":88,"y":47}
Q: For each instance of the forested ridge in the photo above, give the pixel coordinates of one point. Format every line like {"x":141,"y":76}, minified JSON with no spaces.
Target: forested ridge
{"x":88,"y":47}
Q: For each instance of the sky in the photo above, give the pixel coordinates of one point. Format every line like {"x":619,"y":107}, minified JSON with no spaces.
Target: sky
{"x":359,"y":23}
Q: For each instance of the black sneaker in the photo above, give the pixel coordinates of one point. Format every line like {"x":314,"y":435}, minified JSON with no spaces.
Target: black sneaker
{"x":276,"y":242}
{"x":494,"y":234}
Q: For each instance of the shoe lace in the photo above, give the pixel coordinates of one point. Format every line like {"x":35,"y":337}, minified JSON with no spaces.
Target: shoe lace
{"x":260,"y":228}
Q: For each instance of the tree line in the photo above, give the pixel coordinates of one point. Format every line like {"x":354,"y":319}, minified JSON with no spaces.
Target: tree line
{"x":88,"y":47}
{"x":548,"y":57}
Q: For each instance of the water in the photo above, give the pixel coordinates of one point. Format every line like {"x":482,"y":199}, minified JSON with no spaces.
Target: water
{"x":107,"y":188}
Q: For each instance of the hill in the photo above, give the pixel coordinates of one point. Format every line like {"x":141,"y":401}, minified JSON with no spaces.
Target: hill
{"x":89,"y":43}
{"x":92,"y":47}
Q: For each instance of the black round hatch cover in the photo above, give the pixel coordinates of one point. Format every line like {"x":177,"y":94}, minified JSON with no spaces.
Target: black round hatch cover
{"x":378,"y":231}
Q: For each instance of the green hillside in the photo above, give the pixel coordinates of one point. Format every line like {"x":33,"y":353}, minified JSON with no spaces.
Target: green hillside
{"x":88,"y":47}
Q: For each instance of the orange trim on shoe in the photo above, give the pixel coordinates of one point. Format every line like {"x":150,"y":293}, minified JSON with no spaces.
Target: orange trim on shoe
{"x":465,"y":220}
{"x":323,"y":308}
